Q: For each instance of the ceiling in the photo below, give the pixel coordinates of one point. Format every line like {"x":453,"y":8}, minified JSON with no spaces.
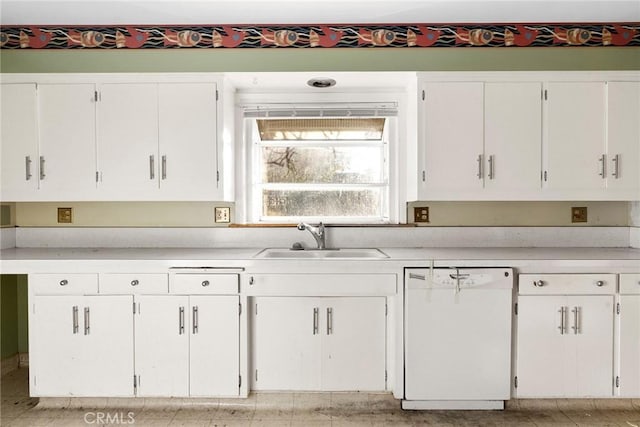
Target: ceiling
{"x":216,"y":12}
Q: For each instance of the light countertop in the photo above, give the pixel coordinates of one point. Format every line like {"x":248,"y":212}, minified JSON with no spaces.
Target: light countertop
{"x":31,"y":260}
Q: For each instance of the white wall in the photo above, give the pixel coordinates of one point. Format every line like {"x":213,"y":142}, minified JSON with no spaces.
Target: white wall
{"x":346,"y":237}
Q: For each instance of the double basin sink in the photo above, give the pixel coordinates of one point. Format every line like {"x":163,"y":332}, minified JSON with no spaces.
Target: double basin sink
{"x":346,"y":253}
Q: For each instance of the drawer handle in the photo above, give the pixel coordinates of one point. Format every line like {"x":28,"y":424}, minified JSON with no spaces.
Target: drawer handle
{"x":600,"y":283}
{"x":251,"y":281}
{"x":205,"y":283}
{"x":135,"y":282}
{"x":64,"y":282}
{"x":538,"y":283}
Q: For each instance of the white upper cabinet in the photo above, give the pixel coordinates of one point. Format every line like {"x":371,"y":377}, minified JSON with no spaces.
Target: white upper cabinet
{"x":529,"y":136}
{"x":110,"y":138}
{"x":187,"y":141}
{"x":452,"y":134}
{"x":67,"y":157}
{"x":623,"y":136}
{"x":575,"y":126}
{"x":479,"y":136}
{"x":19,"y":142}
{"x":513,"y":136}
{"x":158,"y":141}
{"x":48,"y":142}
{"x":128,"y":141}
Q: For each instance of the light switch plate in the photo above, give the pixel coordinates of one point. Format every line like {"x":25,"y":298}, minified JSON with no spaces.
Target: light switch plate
{"x":222,"y":214}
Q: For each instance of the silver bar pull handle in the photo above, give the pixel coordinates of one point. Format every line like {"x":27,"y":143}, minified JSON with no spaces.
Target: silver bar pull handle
{"x":42,"y":174}
{"x":561,"y":327}
{"x":574,"y":310}
{"x":87,"y":320}
{"x":315,"y":321}
{"x":616,"y":166}
{"x":480,"y":166}
{"x":491,"y":166}
{"x":164,"y":167}
{"x":74,"y":314}
{"x":180,"y":320}
{"x":195,"y":319}
{"x":152,"y":167}
{"x":329,"y":321}
{"x":603,"y":166}
{"x":576,"y":319}
{"x":417,"y":276}
{"x":27,"y":167}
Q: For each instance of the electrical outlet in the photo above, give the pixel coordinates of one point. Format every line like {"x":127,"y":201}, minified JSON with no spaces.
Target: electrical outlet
{"x":65,"y":215}
{"x":421,"y":214}
{"x":579,"y":214}
{"x":222,"y":214}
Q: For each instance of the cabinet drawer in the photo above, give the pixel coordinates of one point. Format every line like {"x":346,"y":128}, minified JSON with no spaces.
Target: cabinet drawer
{"x":63,"y":284}
{"x":630,"y":284}
{"x":127,"y":283}
{"x":321,"y":284}
{"x":192,"y":284}
{"x":567,"y":284}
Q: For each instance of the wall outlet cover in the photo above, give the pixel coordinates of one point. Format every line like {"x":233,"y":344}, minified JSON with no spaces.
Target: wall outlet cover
{"x":222,"y":214}
{"x":579,"y":214}
{"x":421,"y":214}
{"x":65,"y":215}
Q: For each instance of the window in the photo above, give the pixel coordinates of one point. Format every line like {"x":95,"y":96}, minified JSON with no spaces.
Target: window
{"x":329,"y":165}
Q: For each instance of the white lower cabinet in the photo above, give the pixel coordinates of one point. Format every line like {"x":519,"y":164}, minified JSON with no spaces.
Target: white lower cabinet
{"x":565,"y":341}
{"x":162,"y":345}
{"x":187,"y":345}
{"x":83,"y":345}
{"x":318,"y":343}
{"x":628,"y":380}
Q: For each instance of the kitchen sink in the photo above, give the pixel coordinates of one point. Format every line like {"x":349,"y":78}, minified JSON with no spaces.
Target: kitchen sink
{"x":350,"y":253}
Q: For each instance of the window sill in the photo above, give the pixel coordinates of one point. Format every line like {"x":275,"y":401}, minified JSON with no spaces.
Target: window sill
{"x":265,"y":225}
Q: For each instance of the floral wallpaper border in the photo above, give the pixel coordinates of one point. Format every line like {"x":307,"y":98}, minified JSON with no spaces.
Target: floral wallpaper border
{"x":319,"y":36}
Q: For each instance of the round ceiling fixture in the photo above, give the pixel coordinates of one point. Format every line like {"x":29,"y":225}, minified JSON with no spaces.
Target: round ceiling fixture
{"x":321,"y":83}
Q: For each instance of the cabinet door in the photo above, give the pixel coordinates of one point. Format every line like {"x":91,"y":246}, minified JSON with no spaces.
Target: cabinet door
{"x":592,"y":344}
{"x":623,"y":136}
{"x":128,"y":141}
{"x":351,"y":328}
{"x":286,"y":348}
{"x":107,"y":346}
{"x":513,"y":136}
{"x":162,"y":345}
{"x":542,"y":344}
{"x":187,"y":121}
{"x":18,"y":142}
{"x":452,"y":122}
{"x":630,"y":346}
{"x":67,"y":142}
{"x":215,"y":346}
{"x":56,"y":346}
{"x":575,"y":119}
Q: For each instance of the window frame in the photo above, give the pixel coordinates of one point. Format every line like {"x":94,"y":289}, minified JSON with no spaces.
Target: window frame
{"x":248,"y":201}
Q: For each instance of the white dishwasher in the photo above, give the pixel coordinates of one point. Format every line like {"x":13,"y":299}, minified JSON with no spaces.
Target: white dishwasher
{"x":457,"y":338}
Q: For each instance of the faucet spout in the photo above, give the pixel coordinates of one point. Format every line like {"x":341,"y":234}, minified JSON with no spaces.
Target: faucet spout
{"x":317,"y":232}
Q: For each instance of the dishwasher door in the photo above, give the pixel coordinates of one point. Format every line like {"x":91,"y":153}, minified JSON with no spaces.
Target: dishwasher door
{"x":458,"y":334}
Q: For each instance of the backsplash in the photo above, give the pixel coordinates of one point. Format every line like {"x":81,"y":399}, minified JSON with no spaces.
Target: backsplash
{"x":201,"y":214}
{"x":522,"y":213}
{"x":122,"y":214}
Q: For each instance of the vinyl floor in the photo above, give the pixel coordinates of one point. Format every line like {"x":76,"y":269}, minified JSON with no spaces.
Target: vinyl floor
{"x":296,"y":409}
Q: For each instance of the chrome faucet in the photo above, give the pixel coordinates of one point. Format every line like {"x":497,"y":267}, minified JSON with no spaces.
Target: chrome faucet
{"x":316,"y":232}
